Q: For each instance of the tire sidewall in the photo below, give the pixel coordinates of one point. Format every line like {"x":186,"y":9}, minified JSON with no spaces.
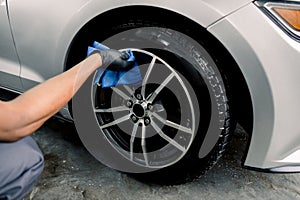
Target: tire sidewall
{"x":202,"y":66}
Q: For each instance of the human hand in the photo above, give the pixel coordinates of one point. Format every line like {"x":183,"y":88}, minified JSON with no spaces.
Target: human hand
{"x":115,"y":60}
{"x":127,"y":73}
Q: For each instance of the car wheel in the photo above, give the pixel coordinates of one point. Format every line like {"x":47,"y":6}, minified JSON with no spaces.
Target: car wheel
{"x":157,"y":130}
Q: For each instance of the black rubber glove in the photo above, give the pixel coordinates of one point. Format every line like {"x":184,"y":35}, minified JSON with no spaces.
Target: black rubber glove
{"x":115,"y":60}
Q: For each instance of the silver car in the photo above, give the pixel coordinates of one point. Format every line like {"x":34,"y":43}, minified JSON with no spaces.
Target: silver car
{"x":206,"y":66}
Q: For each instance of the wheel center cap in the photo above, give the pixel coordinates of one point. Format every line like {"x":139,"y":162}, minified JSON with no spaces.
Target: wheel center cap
{"x":139,"y":110}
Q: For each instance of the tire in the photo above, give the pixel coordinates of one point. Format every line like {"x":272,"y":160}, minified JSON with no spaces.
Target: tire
{"x":155,"y":133}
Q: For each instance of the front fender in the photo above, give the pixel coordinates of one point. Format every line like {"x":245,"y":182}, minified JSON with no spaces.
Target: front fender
{"x":44,"y":30}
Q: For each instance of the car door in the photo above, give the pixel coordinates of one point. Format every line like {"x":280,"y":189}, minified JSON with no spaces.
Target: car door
{"x":9,"y":63}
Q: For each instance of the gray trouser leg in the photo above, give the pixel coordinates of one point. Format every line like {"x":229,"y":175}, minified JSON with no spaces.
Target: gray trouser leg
{"x":21,"y":164}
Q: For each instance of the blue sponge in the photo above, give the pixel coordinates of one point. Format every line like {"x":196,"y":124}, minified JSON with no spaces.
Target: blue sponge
{"x":109,"y":78}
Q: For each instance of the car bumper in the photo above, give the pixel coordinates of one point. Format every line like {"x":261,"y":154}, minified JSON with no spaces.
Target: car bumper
{"x":269,"y":61}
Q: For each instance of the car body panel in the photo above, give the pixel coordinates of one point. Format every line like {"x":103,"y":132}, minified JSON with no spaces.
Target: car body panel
{"x":272,"y":75}
{"x":9,"y":63}
{"x":40,"y":43}
{"x":55,"y":32}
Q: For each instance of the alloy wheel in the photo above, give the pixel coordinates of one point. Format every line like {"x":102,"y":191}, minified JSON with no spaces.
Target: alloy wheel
{"x":153,"y":123}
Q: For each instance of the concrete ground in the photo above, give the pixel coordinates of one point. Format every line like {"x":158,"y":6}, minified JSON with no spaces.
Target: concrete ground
{"x":72,"y":173}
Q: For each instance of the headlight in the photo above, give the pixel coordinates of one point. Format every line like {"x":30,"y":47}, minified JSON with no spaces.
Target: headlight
{"x":286,"y":14}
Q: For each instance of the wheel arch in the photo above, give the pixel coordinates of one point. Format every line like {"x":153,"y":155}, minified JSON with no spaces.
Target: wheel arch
{"x":241,"y":100}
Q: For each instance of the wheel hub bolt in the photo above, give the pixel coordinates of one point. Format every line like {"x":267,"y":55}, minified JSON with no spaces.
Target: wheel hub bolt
{"x":139,"y":96}
{"x":149,"y":107}
{"x":129,"y":103}
{"x":147,"y":121}
{"x":134,"y":119}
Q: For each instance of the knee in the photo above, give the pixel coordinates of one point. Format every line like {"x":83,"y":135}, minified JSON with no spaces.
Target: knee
{"x":24,"y":156}
{"x":21,"y":167}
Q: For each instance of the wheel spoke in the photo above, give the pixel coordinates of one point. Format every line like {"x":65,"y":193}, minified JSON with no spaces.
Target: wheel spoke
{"x":119,"y":92}
{"x":134,"y":131}
{"x":157,"y":91}
{"x":145,"y":80}
{"x":172,"y":124}
{"x":117,"y":121}
{"x":143,"y":144}
{"x":114,"y":109}
{"x":167,"y":138}
{"x":129,"y":90}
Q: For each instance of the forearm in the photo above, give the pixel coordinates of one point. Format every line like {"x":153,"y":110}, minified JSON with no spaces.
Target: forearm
{"x":35,"y":106}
